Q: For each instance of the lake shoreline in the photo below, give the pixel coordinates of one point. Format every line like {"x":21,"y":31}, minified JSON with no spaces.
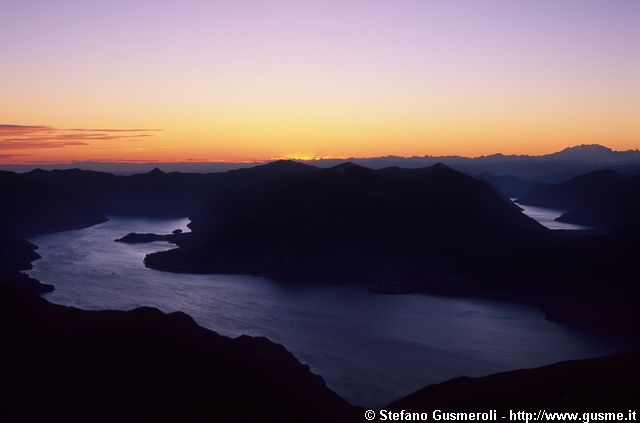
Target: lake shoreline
{"x":284,"y":288}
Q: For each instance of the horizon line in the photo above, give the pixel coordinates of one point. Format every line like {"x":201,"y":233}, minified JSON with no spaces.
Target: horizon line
{"x":302,"y":158}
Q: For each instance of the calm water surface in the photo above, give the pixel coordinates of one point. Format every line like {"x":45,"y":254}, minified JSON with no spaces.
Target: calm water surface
{"x":370,"y":348}
{"x":547,"y":217}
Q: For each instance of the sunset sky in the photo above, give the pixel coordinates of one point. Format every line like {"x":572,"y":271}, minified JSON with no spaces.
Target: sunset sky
{"x":236,"y":80}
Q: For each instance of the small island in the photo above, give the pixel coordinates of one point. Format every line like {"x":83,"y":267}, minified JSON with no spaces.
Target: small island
{"x":136,"y":238}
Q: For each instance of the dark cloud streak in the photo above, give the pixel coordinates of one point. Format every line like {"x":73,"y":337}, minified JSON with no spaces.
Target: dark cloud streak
{"x":9,"y":156}
{"x":21,"y":137}
{"x":29,"y":145}
{"x":113,"y":130}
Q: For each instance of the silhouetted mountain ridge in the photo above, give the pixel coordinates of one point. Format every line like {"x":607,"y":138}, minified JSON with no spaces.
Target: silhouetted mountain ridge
{"x":511,"y":186}
{"x":597,"y":154}
{"x":579,"y":385}
{"x":574,"y":192}
{"x":349,"y":217}
{"x":553,"y":167}
{"x":30,"y":206}
{"x":614,"y":208}
{"x":603,"y":199}
{"x":143,"y":364}
{"x":277,"y":167}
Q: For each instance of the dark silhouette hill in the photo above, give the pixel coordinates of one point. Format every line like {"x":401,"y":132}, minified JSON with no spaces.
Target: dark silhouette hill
{"x":16,"y":255}
{"x":588,"y":281}
{"x":257,"y":178}
{"x":142,"y":365}
{"x":603,"y":199}
{"x":150,"y":194}
{"x":68,"y":364}
{"x":278,"y":167}
{"x":511,"y":186}
{"x":614,"y":208}
{"x":30,"y":206}
{"x":157,"y":193}
{"x":599,"y":384}
{"x":348,"y":220}
{"x":574,"y":192}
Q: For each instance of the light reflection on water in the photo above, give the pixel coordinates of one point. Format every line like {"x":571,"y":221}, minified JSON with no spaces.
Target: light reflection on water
{"x":546,"y":217}
{"x":370,"y":348}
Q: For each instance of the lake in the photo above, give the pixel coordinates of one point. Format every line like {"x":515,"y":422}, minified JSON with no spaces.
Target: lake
{"x":547,"y":217}
{"x":370,"y":348}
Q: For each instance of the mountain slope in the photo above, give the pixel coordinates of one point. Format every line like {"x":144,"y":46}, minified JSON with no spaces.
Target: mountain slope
{"x":511,"y":186}
{"x":140,"y":365}
{"x":600,"y":384}
{"x":614,"y":208}
{"x":156,"y":193}
{"x":574,"y":192}
{"x":347,"y":220}
{"x":31,"y":206}
{"x":278,"y":167}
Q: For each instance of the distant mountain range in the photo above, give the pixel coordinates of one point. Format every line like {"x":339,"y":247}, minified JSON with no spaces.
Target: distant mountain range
{"x":549,"y":167}
{"x":554,"y":167}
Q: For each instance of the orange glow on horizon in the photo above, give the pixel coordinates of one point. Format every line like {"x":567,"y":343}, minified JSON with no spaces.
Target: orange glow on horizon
{"x":238,"y":82}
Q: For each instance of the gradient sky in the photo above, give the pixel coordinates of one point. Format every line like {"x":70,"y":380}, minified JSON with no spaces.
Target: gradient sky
{"x":254,"y":79}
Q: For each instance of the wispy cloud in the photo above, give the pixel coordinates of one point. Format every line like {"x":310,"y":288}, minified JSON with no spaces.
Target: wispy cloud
{"x":10,"y":156}
{"x":25,"y":137}
{"x":114,"y":130}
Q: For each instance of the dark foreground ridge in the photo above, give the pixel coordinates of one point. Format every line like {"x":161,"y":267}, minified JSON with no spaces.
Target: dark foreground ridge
{"x":599,"y":384}
{"x":16,"y":255}
{"x":63,"y":363}
{"x":143,"y":365}
{"x":146,"y":365}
